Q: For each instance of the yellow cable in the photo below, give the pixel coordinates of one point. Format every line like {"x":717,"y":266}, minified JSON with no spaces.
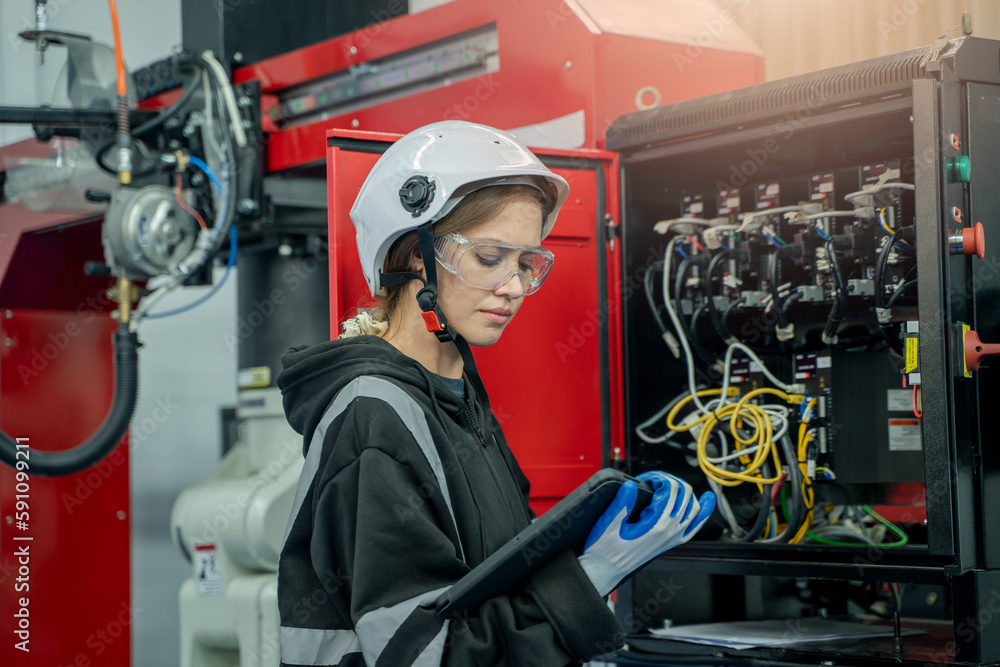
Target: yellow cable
{"x":884,"y":223}
{"x":802,"y":530}
{"x":762,"y":422}
{"x":733,"y":391}
{"x":759,"y":424}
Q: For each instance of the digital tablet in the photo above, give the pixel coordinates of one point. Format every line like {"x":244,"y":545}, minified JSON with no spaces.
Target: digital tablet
{"x":565,"y":526}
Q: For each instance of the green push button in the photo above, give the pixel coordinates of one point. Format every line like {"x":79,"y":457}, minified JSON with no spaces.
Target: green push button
{"x":959,"y":169}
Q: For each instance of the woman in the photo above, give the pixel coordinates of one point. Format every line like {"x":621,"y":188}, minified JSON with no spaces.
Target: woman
{"x":408,"y":482}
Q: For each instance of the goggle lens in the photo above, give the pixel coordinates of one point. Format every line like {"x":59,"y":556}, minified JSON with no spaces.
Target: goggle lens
{"x":489,"y":265}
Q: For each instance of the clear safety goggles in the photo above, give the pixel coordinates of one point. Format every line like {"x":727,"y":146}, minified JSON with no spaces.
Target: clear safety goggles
{"x":488,"y":265}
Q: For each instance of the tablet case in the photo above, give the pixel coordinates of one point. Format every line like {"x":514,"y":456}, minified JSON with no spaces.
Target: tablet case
{"x":565,"y":526}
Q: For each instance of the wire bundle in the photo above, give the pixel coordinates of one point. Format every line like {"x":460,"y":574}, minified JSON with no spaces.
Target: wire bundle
{"x":750,"y":438}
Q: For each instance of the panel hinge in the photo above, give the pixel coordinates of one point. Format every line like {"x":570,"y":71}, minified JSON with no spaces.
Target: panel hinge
{"x":612,"y":226}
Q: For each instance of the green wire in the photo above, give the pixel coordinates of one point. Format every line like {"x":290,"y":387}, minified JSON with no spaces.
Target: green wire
{"x":823,"y":540}
{"x":902,"y":541}
{"x":903,"y":537}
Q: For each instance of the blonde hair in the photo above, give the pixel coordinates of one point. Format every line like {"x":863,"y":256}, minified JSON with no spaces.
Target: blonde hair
{"x":475,"y":208}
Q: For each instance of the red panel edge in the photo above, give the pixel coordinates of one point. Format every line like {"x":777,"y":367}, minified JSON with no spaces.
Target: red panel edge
{"x":333,"y":223}
{"x":614,"y":320}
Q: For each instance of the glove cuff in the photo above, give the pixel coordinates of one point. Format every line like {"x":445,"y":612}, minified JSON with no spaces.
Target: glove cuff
{"x":603,"y":574}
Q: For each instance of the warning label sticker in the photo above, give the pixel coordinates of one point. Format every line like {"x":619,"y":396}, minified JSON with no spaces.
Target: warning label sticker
{"x":899,"y":400}
{"x":912,"y":347}
{"x":904,"y":435}
{"x":207,"y":570}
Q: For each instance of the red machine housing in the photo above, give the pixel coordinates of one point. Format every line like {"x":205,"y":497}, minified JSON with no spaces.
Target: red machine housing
{"x":56,"y":375}
{"x":552,"y":63}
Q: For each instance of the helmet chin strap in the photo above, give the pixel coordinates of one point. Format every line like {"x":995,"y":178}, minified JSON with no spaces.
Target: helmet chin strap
{"x":434,"y":317}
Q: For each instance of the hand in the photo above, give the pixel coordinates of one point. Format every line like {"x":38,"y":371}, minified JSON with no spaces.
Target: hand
{"x":616,"y":548}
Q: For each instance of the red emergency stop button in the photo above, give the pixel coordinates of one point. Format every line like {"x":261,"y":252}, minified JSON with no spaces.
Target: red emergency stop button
{"x":974,"y":241}
{"x":977,"y":351}
{"x":968,"y":241}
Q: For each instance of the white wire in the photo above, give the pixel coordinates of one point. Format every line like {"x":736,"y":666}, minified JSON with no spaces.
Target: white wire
{"x":652,"y":441}
{"x":885,"y":186}
{"x":807,"y":413}
{"x":753,"y":357}
{"x":747,"y":218}
{"x":725,"y":508}
{"x":151,"y":300}
{"x":827,"y":214}
{"x":735,"y":455}
{"x":206,"y":238}
{"x":210,"y":138}
{"x":775,"y":413}
{"x":227,"y":94}
{"x":640,"y":429}
{"x":682,"y":337}
{"x":781,"y":413}
{"x":663,"y":226}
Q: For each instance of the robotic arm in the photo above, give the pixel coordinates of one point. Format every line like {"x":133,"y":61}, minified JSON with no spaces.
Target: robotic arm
{"x":177,"y":169}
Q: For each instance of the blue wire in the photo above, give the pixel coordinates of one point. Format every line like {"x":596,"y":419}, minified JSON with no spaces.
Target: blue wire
{"x":821,"y":233}
{"x":231,"y":262}
{"x":198,"y":162}
{"x":681,"y":252}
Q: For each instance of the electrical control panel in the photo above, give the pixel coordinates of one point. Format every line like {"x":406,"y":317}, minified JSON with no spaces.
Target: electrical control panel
{"x":812,"y":269}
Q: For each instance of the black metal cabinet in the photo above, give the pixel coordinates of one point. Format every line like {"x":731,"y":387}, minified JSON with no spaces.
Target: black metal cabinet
{"x":925,"y":109}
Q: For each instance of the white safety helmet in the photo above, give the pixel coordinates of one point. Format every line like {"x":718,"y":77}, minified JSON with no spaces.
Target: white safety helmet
{"x":424,"y":175}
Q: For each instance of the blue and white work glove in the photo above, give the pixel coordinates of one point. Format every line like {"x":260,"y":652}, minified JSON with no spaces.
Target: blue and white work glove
{"x":616,"y":548}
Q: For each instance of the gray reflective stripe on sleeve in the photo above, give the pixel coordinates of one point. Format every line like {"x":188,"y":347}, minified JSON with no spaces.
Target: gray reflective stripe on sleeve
{"x":315,"y":451}
{"x":434,"y":653}
{"x":408,"y":411}
{"x":377,"y":627}
{"x":307,"y":646}
{"x":416,"y":421}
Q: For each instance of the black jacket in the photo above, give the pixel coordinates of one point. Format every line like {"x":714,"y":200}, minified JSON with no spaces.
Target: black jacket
{"x":374,"y":539}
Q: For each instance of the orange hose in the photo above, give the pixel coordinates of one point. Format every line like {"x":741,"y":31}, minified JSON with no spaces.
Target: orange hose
{"x":120,"y":61}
